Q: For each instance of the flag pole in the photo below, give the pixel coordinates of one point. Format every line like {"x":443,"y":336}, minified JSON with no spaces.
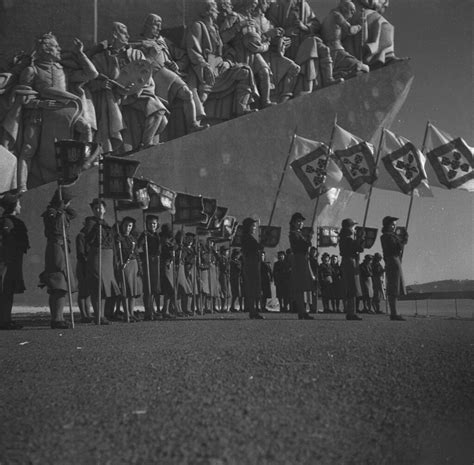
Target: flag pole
{"x":283,"y":173}
{"x":147,"y":262}
{"x":423,"y":148}
{"x":328,"y":154}
{"x":122,"y":270}
{"x":66,"y":256}
{"x":374,"y":174}
{"x":99,"y":294}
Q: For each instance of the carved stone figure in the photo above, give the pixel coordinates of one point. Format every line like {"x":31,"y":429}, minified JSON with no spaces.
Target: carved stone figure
{"x":45,"y":109}
{"x":301,"y":26}
{"x":126,"y":119}
{"x":335,"y":27}
{"x":169,"y":83}
{"x":377,"y":34}
{"x":284,"y":70}
{"x":224,"y":87}
{"x":247,"y":44}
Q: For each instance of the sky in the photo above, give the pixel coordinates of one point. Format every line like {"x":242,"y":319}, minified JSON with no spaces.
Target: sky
{"x":437,"y":36}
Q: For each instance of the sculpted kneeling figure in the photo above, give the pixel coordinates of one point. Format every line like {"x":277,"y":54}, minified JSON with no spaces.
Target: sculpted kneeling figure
{"x":169,"y":83}
{"x":126,"y":119}
{"x":224,"y":87}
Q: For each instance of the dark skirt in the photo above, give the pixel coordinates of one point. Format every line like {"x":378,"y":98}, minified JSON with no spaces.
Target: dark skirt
{"x":133,"y":282}
{"x":236,"y":285}
{"x":185,"y":282}
{"x":252,"y":280}
{"x":394,"y":273}
{"x":167,"y":278}
{"x":350,"y":277}
{"x":110,"y":287}
{"x":155,"y":275}
{"x":301,"y":278}
{"x":11,"y":277}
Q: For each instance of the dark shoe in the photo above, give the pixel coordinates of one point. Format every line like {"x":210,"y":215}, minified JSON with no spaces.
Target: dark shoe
{"x":397,"y":318}
{"x":167,"y":316}
{"x":86,"y":319}
{"x":305,"y":316}
{"x":256,"y":316}
{"x":59,"y":325}
{"x":11,"y":325}
{"x":353,"y":317}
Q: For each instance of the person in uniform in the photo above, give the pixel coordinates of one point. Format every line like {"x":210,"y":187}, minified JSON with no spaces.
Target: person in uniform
{"x":168,"y":248}
{"x":378,"y":272}
{"x":349,"y":249}
{"x":236,"y":280}
{"x":392,"y":248}
{"x":366,"y":284}
{"x":14,"y":244}
{"x":301,"y":278}
{"x":267,"y":279}
{"x":129,"y":267}
{"x":251,"y":264}
{"x":326,"y":281}
{"x":83,"y":291}
{"x":100,"y":240}
{"x":224,"y":278}
{"x":55,"y":277}
{"x":337,"y":284}
{"x":150,"y":245}
{"x":281,"y":276}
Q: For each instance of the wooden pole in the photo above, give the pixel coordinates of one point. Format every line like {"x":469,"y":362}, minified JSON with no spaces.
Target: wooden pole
{"x":66,"y":256}
{"x":122,"y":271}
{"x":147,"y":262}
{"x":96,"y":21}
{"x":375,"y":173}
{"x":282,"y":177}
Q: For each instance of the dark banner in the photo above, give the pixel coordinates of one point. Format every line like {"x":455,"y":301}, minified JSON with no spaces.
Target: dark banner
{"x":370,"y":236}
{"x":328,"y":236}
{"x":116,"y":177}
{"x":73,"y":157}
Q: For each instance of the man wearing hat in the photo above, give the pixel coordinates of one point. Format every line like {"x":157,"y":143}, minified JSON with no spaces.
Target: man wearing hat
{"x":350,"y":249}
{"x":14,"y":244}
{"x":56,"y":277}
{"x":150,"y":245}
{"x":392,"y":248}
{"x":301,"y":279}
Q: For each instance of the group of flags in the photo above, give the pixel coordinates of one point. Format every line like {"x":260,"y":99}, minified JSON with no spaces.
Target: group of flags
{"x":353,"y":164}
{"x":117,"y":181}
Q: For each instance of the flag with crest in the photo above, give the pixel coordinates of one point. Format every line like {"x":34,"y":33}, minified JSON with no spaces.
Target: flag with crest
{"x":402,"y":166}
{"x":314,"y":166}
{"x":451,"y":161}
{"x":73,"y":157}
{"x":355,"y":158}
{"x":116,"y":177}
{"x":189,"y":210}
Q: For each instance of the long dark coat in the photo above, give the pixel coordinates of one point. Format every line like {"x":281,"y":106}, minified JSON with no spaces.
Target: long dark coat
{"x":14,"y":244}
{"x":349,"y":250}
{"x":281,"y":276}
{"x":251,"y":263}
{"x":301,"y":278}
{"x":267,"y":278}
{"x":392,"y":248}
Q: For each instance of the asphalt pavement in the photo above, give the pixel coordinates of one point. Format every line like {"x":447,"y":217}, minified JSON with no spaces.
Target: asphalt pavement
{"x":226,"y":390}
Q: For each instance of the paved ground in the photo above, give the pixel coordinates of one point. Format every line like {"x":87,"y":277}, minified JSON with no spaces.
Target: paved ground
{"x":230,"y":391}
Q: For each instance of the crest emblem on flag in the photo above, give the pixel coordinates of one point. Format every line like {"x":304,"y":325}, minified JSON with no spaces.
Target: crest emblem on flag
{"x":311,"y":171}
{"x":453,"y":163}
{"x":357,"y":164}
{"x":404,"y":167}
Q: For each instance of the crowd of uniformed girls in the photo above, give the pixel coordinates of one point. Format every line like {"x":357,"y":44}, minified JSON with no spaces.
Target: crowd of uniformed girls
{"x":182,"y":274}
